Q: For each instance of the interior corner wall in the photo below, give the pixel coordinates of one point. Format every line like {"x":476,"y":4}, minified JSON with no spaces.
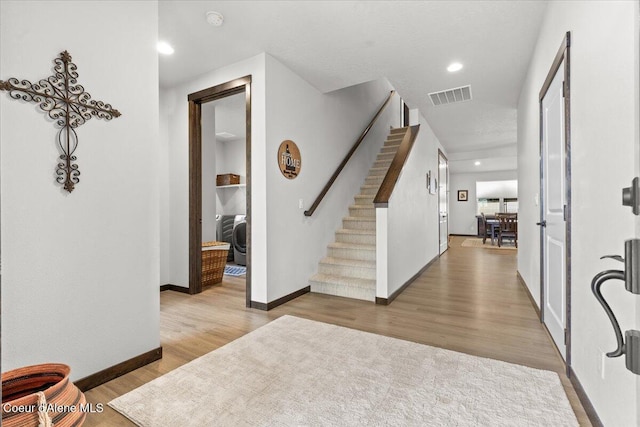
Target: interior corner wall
{"x":80,"y":271}
{"x":231,"y":158}
{"x":412,"y":215}
{"x":175,"y":105}
{"x":209,"y":159}
{"x":462,"y":214}
{"x":324,"y":127}
{"x":163,"y":181}
{"x":604,"y":118}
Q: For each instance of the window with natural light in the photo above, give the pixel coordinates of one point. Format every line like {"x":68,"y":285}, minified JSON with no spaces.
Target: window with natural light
{"x":494,"y":197}
{"x":488,"y":206}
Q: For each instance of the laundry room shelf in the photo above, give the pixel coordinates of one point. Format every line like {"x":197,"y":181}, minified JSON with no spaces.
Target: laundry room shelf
{"x":232,"y":186}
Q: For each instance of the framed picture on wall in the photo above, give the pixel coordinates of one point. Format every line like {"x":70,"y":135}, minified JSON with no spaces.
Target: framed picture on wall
{"x":463,"y":195}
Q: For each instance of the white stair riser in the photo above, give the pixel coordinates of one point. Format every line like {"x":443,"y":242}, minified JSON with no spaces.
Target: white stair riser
{"x":343,"y":291}
{"x":362,"y":211}
{"x":347,"y":271}
{"x":349,"y":253}
{"x":358,"y":225}
{"x":361,"y":239}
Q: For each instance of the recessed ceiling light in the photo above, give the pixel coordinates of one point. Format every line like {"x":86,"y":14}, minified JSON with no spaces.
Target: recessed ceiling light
{"x":215,"y":18}
{"x":456,"y":66}
{"x":477,"y":163}
{"x":165,"y":48}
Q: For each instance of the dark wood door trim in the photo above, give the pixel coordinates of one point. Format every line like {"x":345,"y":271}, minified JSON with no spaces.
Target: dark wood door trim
{"x":562,"y":56}
{"x":405,"y":118}
{"x":195,"y":101}
{"x":195,"y":197}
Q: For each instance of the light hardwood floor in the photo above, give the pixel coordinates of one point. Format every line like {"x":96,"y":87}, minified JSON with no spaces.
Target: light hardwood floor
{"x":469,"y":300}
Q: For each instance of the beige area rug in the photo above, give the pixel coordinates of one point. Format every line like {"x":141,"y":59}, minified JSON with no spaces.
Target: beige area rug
{"x":477,"y":243}
{"x":297,"y":372}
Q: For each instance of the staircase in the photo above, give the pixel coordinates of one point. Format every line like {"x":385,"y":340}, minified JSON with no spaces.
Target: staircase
{"x":349,"y":269}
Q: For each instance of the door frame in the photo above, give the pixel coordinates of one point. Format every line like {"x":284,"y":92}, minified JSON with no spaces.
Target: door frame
{"x":196,"y":99}
{"x":446,"y":191}
{"x":561,"y":57}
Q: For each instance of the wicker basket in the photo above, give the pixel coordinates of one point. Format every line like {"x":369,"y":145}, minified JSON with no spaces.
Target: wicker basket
{"x":214,"y":258}
{"x":63,"y":402}
{"x":227,"y":179}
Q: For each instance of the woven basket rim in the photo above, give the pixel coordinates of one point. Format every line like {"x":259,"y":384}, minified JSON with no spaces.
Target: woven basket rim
{"x":26,"y":372}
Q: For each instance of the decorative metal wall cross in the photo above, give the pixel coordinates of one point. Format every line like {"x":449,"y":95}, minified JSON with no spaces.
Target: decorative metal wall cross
{"x":68,"y":104}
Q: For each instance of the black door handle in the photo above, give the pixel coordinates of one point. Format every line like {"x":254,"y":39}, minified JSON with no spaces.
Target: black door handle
{"x":542,"y":223}
{"x":597,"y":281}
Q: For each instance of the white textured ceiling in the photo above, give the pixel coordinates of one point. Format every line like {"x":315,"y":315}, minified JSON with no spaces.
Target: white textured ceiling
{"x":335,"y":44}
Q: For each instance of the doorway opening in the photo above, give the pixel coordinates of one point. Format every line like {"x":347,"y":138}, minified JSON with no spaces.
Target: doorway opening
{"x":555,"y":203}
{"x":203,"y":223}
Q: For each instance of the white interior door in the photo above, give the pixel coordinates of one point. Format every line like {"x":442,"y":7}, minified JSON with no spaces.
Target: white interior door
{"x":443,"y":202}
{"x":554,"y":201}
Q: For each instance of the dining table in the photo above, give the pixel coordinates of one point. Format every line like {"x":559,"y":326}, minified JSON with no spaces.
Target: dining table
{"x":494,"y":223}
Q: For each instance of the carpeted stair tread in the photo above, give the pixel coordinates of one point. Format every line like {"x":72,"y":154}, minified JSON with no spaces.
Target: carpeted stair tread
{"x":356,"y":231}
{"x":354,"y":235}
{"x":354,"y":246}
{"x":343,"y":280}
{"x":369,"y":190}
{"x":385,"y":156}
{"x":374,"y":180}
{"x":390,"y":148}
{"x":382,"y":163}
{"x":364,"y":197}
{"x":349,"y":262}
{"x":399,"y":130}
{"x":359,"y":218}
{"x":378,"y":171}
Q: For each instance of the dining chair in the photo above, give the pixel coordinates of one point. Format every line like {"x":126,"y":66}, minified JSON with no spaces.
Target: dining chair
{"x":508,"y":228}
{"x":487,"y":230}
{"x":490,"y":228}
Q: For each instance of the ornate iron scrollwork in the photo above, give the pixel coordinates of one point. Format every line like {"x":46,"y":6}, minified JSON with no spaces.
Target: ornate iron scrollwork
{"x":66,"y":102}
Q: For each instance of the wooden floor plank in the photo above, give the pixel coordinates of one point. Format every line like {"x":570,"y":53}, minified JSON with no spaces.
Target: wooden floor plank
{"x":469,"y":301}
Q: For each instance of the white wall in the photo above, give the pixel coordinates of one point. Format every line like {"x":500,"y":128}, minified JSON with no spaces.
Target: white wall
{"x":462,"y":215}
{"x":604,"y":118}
{"x":324,"y":126}
{"x":80,"y":271}
{"x":164,"y":183}
{"x":174,"y":101}
{"x":412,"y":220}
{"x":231,"y":158}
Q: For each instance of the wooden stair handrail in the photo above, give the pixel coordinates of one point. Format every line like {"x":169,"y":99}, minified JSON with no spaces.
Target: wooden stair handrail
{"x":388,"y":184}
{"x":326,"y":188}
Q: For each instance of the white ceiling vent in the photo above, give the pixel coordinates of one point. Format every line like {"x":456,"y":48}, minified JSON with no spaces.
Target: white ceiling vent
{"x":451,"y":96}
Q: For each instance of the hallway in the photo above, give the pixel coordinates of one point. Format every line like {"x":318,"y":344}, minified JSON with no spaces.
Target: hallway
{"x":469,"y":301}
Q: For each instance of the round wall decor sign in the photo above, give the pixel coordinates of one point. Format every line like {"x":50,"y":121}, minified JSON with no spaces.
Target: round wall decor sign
{"x":289,"y":159}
